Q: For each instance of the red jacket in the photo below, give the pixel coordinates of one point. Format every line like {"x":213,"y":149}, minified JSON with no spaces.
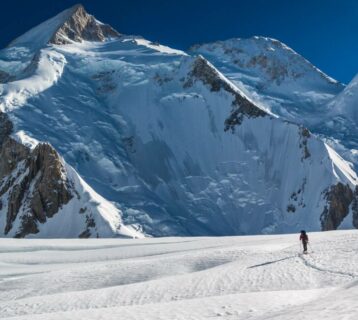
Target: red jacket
{"x":304,"y":237}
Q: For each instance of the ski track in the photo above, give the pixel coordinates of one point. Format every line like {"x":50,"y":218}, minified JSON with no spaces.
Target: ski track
{"x":252,"y":277}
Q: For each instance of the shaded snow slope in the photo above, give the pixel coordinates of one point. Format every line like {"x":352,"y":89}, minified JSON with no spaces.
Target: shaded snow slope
{"x":343,"y":116}
{"x":345,"y":103}
{"x":256,"y":277}
{"x":181,"y":149}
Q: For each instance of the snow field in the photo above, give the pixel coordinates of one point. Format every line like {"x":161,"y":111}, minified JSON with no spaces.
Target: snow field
{"x":248,"y":277}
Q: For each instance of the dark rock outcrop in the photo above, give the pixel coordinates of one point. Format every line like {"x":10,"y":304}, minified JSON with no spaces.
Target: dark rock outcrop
{"x":339,"y":197}
{"x":81,"y":26}
{"x":355,"y":208}
{"x":5,"y":127}
{"x":203,"y":71}
{"x":90,"y":225}
{"x":11,"y":154}
{"x":304,"y":136}
{"x":33,"y":183}
{"x":51,"y":189}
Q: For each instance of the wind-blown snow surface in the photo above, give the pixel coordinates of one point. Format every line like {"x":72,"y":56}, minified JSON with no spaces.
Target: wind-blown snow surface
{"x":252,"y":277}
{"x":129,"y":117}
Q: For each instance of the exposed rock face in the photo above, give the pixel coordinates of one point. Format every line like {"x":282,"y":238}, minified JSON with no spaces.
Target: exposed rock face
{"x":339,"y":198}
{"x":203,"y":71}
{"x":355,"y":208}
{"x":33,"y":184}
{"x":51,"y":189}
{"x":11,"y":154}
{"x":5,"y":127}
{"x":81,"y":26}
{"x":90,"y":223}
{"x":304,"y":135}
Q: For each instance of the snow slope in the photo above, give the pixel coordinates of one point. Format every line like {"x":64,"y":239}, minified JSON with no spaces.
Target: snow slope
{"x":343,"y":116}
{"x":177,"y":146}
{"x":252,"y":277}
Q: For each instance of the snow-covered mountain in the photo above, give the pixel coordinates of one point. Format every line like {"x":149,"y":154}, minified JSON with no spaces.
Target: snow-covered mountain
{"x":280,"y":80}
{"x":272,"y":74}
{"x":177,"y":146}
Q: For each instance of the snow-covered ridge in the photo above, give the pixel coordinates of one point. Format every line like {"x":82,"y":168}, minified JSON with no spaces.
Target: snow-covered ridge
{"x":287,"y":85}
{"x":157,"y":46}
{"x":275,"y":76}
{"x":44,"y":69}
{"x":265,"y":56}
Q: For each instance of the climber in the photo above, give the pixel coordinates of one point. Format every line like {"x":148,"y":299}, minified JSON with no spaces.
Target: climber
{"x":304,"y":239}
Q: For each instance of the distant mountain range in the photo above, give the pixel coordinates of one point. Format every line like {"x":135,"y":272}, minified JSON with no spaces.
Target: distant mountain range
{"x":104,"y":134}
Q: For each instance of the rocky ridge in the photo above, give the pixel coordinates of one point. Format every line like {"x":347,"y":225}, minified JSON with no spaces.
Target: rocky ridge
{"x":33,"y":183}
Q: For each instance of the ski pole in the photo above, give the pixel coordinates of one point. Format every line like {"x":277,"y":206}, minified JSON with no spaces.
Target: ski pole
{"x":310,"y":246}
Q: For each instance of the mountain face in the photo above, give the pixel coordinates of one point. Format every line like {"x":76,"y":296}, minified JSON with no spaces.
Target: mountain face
{"x":283,"y":82}
{"x":167,"y":137}
{"x":273,"y":74}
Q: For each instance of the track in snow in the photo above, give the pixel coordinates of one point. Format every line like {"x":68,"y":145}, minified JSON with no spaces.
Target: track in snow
{"x":253,"y":277}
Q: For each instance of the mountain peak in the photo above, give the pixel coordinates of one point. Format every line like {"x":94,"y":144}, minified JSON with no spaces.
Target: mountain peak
{"x":265,"y":58}
{"x":80,"y":26}
{"x":71,"y":25}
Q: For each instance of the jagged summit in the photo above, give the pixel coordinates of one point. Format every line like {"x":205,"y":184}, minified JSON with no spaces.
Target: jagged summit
{"x":266,"y":58}
{"x":275,"y":76}
{"x":71,"y":25}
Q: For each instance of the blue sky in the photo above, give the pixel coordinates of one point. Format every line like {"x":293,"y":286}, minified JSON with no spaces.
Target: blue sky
{"x":323,"y":31}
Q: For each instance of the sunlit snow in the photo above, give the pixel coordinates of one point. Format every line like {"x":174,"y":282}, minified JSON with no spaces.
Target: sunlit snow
{"x":257,"y":277}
